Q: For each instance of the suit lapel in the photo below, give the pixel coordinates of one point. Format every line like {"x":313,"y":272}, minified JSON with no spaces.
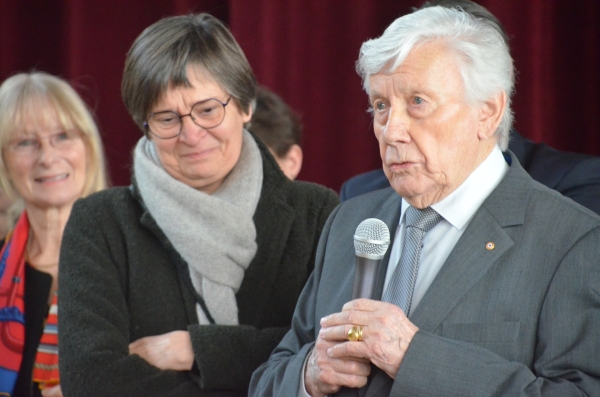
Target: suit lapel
{"x":469,"y":261}
{"x":482,"y":244}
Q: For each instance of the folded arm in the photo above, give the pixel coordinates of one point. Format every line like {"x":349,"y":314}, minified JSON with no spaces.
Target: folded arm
{"x":94,"y":320}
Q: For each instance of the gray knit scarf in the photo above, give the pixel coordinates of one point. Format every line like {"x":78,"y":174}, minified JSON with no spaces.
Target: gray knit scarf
{"x":215,"y":234}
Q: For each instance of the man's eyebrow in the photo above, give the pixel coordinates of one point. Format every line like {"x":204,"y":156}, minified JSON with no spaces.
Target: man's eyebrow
{"x":374,"y":94}
{"x":406,"y":86}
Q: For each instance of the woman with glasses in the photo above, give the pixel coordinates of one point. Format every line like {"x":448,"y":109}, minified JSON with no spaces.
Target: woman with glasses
{"x":51,"y":156}
{"x":184,"y":282}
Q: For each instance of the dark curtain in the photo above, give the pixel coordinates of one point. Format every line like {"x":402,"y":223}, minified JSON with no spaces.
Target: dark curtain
{"x":305,"y":51}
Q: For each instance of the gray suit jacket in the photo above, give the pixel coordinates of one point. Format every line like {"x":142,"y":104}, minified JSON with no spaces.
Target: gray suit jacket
{"x":522,"y":319}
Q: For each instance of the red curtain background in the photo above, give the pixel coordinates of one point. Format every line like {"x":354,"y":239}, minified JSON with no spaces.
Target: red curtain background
{"x":305,"y":51}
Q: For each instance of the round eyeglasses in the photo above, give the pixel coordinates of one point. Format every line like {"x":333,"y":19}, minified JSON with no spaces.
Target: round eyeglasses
{"x":30,"y":145}
{"x":207,"y":114}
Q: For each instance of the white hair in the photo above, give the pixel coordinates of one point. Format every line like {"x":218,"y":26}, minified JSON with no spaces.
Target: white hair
{"x":485,"y":63}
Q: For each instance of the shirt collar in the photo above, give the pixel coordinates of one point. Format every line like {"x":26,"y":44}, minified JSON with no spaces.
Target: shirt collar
{"x":460,"y":206}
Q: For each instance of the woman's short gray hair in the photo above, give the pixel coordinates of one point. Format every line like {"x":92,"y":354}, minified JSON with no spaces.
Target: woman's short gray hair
{"x":161,"y":55}
{"x":485,"y":62}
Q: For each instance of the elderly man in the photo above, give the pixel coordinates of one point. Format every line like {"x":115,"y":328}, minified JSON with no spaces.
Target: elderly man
{"x":492,"y":284}
{"x":574,"y":175}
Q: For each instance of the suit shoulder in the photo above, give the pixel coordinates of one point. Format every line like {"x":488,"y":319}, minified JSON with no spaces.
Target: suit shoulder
{"x":367,"y":204}
{"x":366,"y":177}
{"x":364,"y":183}
{"x":379,"y":195}
{"x":548,"y":156}
{"x":560,"y":208}
{"x":584,"y":172}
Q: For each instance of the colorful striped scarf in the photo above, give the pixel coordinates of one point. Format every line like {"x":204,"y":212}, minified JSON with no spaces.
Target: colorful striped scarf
{"x":45,"y":370}
{"x":12,"y":304}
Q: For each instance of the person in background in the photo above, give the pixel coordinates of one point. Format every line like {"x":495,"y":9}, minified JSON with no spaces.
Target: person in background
{"x":52,"y":155}
{"x":6,"y":221}
{"x":490,"y":283}
{"x":574,"y":175}
{"x":277,"y":125}
{"x":183,"y":283}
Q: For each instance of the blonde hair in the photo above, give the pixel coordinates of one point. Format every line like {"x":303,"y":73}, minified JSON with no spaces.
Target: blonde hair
{"x":40,"y":95}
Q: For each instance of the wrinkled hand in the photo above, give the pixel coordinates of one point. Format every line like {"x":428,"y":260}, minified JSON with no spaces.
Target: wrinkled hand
{"x":172,"y":350}
{"x":53,"y":391}
{"x":387,"y":333}
{"x":326,"y":375}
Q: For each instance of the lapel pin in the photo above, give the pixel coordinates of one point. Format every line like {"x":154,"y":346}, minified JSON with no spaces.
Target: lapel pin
{"x":490,"y":246}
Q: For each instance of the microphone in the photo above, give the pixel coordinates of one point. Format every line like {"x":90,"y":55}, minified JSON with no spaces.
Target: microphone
{"x":371,"y":241}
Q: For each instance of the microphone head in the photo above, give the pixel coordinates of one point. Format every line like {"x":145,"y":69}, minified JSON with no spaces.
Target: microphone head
{"x":372,"y":239}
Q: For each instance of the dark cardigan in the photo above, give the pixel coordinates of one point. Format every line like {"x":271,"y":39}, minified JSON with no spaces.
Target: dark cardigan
{"x":117,"y":284}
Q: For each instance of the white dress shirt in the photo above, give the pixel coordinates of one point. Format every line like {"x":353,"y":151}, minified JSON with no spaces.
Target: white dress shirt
{"x":457,"y":209}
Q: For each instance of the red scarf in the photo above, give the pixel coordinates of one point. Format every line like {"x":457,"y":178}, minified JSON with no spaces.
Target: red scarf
{"x":12,"y":304}
{"x":12,"y":317}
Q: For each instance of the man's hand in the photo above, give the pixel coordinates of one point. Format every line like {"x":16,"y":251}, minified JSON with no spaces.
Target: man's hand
{"x":326,"y":375}
{"x":386,"y":335}
{"x":167,"y":351}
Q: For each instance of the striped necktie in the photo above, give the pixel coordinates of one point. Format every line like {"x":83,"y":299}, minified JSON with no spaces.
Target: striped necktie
{"x":402,"y":284}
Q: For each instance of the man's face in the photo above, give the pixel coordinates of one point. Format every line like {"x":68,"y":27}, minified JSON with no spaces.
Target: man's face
{"x":430,"y":139}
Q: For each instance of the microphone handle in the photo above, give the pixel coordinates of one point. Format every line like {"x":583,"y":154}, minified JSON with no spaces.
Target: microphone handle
{"x":365,"y":277}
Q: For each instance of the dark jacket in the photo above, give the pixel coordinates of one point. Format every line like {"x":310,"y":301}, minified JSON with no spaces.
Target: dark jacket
{"x":118,"y":284}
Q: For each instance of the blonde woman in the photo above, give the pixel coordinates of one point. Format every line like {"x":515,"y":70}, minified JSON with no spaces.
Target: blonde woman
{"x":51,"y":156}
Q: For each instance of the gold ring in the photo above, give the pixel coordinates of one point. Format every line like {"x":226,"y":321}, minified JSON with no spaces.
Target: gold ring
{"x":355,"y":334}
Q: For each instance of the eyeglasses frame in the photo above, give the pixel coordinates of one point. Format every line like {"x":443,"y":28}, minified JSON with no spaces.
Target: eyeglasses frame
{"x":181,"y":116}
{"x":76,"y":133}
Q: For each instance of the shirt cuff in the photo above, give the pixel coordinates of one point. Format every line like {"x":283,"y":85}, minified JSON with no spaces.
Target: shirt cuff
{"x":302,"y":387}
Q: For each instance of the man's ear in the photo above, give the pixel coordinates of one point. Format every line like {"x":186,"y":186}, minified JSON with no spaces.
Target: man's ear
{"x":490,"y":115}
{"x":291,"y":163}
